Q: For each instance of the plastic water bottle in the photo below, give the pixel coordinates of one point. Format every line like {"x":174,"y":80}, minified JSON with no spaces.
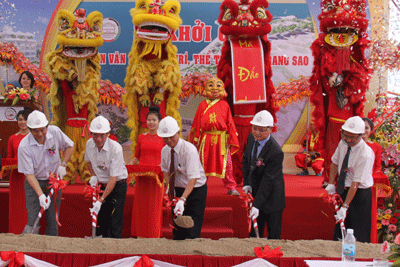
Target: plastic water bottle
{"x":349,"y":247}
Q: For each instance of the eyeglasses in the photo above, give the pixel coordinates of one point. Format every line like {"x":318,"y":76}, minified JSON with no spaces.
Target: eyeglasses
{"x":351,"y":138}
{"x":261,"y":129}
{"x":38,"y":130}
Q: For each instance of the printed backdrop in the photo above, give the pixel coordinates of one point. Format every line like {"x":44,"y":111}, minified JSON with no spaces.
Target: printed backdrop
{"x":199,"y":44}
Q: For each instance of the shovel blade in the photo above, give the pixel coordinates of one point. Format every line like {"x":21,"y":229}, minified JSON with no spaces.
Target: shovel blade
{"x":184,"y":221}
{"x":31,"y":230}
{"x":92,"y":237}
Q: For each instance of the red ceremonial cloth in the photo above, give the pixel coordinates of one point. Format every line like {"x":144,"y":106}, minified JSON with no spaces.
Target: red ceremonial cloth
{"x":147,"y":203}
{"x":89,"y":259}
{"x":18,"y":216}
{"x":248,"y":71}
{"x":213,"y":133}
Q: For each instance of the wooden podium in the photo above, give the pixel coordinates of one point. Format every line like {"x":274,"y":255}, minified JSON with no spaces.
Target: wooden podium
{"x":8,"y":121}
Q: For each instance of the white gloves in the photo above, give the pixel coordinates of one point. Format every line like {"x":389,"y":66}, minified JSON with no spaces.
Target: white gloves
{"x":330,"y":188}
{"x":179,"y":207}
{"x":93,"y":181}
{"x":247,"y":189}
{"x":254,"y":212}
{"x":44,"y":201}
{"x":96,"y":207}
{"x":61,"y":171}
{"x":341,"y":214}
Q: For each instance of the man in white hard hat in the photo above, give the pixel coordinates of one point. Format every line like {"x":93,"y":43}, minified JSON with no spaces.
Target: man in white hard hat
{"x":355,"y":160}
{"x":263,"y":176}
{"x":106,"y":164}
{"x":38,"y":156}
{"x":183,"y":171}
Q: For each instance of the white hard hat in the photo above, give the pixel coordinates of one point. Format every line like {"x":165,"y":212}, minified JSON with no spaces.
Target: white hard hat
{"x":168,"y":127}
{"x":36,"y":120}
{"x":100,"y":125}
{"x":354,"y":125}
{"x":263,"y":118}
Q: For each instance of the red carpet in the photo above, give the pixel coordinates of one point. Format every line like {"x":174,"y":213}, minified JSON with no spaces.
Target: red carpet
{"x":306,"y":215}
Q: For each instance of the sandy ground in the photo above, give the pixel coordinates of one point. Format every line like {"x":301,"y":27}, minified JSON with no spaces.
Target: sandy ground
{"x":222,"y":247}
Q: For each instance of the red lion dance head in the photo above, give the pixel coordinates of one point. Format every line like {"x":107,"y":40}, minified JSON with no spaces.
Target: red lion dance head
{"x":343,"y":17}
{"x":245,"y":19}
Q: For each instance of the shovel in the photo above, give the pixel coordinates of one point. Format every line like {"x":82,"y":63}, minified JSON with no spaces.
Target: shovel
{"x":34,"y":229}
{"x":254,"y":221}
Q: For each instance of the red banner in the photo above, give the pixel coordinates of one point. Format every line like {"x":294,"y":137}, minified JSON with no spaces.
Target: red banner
{"x":248,"y":71}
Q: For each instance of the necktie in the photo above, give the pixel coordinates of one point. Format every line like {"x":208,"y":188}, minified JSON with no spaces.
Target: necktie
{"x":171,"y":190}
{"x":254,"y":156}
{"x":342,"y":175}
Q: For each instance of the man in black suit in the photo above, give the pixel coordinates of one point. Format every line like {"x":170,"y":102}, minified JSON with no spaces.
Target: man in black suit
{"x":263,"y":176}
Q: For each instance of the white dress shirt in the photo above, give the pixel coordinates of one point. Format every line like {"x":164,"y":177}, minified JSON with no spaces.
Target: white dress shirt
{"x":361,"y":162}
{"x":41,"y":160}
{"x":109,"y":162}
{"x":187,"y":163}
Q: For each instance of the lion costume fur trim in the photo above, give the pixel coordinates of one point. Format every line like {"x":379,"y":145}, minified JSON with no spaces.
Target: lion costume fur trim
{"x":152,"y":64}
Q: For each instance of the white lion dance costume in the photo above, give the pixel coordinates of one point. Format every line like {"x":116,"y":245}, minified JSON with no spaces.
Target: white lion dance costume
{"x":75,"y":73}
{"x":153,"y":76}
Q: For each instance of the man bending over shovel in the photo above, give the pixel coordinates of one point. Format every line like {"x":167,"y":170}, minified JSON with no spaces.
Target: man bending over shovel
{"x":38,"y":156}
{"x":105,"y":161}
{"x":180,"y":163}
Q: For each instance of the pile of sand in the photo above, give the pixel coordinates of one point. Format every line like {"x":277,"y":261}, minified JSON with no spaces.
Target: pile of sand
{"x":222,"y":247}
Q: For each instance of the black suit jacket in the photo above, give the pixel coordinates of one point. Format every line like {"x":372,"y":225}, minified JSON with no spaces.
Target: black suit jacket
{"x":266,"y":180}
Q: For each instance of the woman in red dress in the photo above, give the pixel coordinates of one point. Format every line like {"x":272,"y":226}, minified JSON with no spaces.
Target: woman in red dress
{"x":377,"y":174}
{"x":147,"y":204}
{"x":18,"y":217}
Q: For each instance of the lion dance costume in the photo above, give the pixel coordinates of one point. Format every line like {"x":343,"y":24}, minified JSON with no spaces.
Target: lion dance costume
{"x":241,"y":23}
{"x":341,"y":73}
{"x":153,"y":76}
{"x":75,"y":72}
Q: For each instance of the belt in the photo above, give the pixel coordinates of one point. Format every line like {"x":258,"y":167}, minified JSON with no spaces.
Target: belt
{"x":347,"y":188}
{"x":120,"y":181}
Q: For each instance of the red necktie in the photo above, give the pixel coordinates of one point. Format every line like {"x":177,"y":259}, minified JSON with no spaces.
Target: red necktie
{"x":171,"y":190}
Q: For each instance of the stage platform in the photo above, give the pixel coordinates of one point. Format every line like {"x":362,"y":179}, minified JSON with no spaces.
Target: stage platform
{"x":306,"y":215}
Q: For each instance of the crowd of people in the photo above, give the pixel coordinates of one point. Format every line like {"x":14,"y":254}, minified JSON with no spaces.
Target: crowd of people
{"x":186,"y":165}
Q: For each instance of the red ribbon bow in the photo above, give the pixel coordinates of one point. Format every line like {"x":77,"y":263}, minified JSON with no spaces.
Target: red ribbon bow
{"x":268,"y":253}
{"x":333,"y":198}
{"x":144,"y":261}
{"x":170,"y":203}
{"x":56,"y":185}
{"x":90,"y":191}
{"x":16,"y":259}
{"x":247,"y":201}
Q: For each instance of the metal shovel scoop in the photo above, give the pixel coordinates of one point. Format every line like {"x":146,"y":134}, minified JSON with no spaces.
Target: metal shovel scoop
{"x":183,"y":220}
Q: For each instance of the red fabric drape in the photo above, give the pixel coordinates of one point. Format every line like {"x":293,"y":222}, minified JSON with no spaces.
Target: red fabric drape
{"x":73,"y":259}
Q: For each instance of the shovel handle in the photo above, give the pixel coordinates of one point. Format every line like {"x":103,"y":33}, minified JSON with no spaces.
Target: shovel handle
{"x":36,"y":222}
